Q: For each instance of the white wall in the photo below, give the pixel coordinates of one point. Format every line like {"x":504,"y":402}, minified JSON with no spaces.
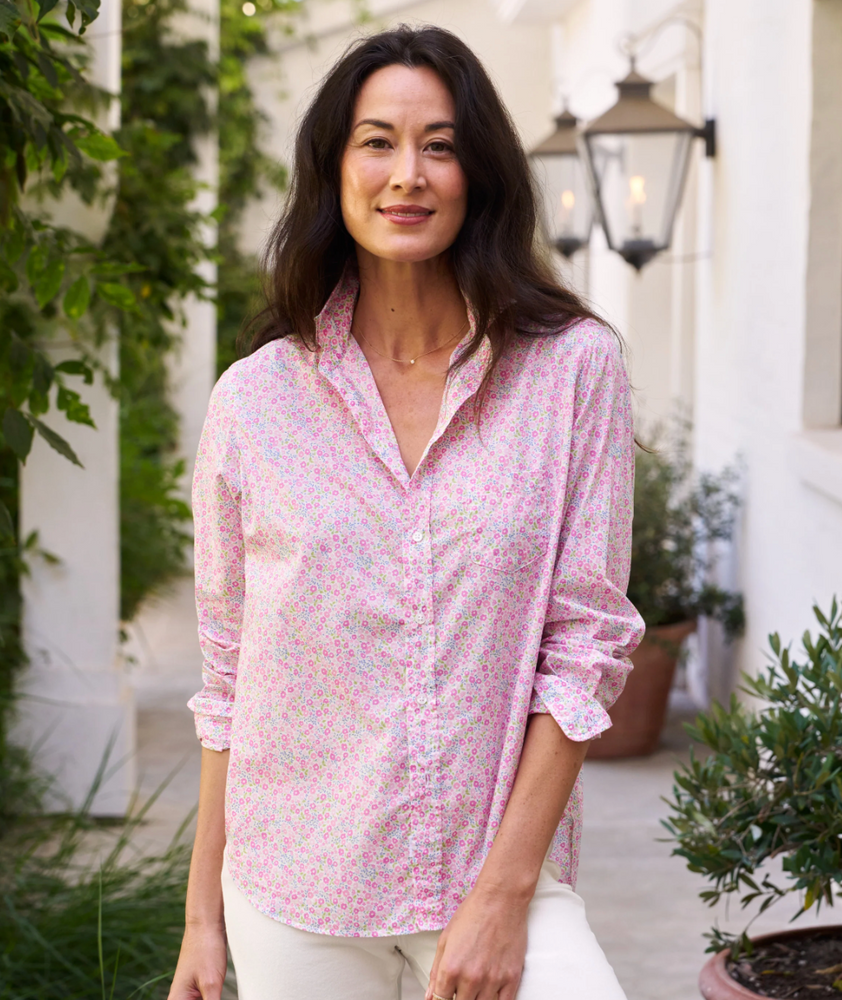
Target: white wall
{"x":752,"y":309}
{"x":654,"y":310}
{"x":741,"y":321}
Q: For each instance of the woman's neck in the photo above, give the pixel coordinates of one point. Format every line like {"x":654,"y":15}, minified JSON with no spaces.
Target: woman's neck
{"x":408,"y":309}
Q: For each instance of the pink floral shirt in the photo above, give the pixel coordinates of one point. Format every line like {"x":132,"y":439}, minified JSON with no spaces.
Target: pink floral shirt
{"x":374,"y":642}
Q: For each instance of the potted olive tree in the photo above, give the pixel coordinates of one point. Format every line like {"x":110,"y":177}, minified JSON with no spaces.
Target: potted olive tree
{"x":679,"y":516}
{"x":771,"y":787}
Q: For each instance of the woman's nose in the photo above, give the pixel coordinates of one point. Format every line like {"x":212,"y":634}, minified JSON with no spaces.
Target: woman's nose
{"x":407,"y":172}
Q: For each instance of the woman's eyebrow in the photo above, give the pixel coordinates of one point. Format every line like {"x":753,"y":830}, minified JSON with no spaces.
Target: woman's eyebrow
{"x":376,"y":123}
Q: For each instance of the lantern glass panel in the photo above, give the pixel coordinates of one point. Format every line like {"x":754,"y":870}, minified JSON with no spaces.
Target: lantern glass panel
{"x":640,"y":177}
{"x":567,"y":204}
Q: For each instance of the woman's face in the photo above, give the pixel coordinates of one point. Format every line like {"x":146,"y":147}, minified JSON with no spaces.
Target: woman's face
{"x":404,"y":195}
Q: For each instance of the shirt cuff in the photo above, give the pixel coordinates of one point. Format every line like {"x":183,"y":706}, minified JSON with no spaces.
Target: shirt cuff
{"x":579,"y":714}
{"x":214,"y":731}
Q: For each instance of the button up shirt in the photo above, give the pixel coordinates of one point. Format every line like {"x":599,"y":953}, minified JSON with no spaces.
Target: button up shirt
{"x":374,"y":642}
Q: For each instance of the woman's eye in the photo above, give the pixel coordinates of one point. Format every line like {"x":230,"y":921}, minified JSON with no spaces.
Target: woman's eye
{"x":440,"y":147}
{"x":377,"y":144}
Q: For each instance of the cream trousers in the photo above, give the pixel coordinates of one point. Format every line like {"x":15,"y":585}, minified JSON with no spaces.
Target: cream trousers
{"x":276,"y":962}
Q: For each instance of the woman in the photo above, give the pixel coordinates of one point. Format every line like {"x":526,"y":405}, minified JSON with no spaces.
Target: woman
{"x":412,"y":538}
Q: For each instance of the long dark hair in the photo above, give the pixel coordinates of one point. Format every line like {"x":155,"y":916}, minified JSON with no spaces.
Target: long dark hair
{"x":498,"y":260}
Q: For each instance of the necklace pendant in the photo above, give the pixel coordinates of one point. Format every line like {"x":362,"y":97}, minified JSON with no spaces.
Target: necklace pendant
{"x":412,"y":362}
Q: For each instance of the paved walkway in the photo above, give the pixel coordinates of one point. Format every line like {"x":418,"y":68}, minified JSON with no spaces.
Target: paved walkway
{"x":642,"y":904}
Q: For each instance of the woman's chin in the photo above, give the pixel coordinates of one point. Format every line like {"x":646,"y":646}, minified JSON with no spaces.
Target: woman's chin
{"x":402,"y":253}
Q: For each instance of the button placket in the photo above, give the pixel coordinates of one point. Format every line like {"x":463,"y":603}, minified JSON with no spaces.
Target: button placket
{"x":422,"y":730}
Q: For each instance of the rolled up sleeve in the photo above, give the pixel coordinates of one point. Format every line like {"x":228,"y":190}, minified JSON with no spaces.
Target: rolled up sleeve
{"x":220,"y":571}
{"x":591,"y":627}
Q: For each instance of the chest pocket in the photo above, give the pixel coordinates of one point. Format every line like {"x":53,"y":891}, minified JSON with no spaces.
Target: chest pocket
{"x":501,"y":525}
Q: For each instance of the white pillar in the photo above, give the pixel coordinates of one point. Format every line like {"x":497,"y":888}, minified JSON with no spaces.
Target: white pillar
{"x":74,"y":700}
{"x":193,"y":365}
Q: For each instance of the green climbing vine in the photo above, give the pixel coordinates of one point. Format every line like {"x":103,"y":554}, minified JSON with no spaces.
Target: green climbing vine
{"x":135,"y":279}
{"x":166,"y":83}
{"x":50,"y":275}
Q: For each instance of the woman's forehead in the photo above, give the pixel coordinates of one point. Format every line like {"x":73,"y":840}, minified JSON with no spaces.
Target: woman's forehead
{"x":397,"y":94}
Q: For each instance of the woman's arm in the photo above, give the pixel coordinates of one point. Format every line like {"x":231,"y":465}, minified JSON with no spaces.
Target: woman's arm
{"x":482,"y":949}
{"x":204,"y":957}
{"x":590,"y":628}
{"x":549,"y":765}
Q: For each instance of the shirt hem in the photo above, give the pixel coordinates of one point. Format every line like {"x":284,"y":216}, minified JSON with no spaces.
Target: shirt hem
{"x":334,"y":930}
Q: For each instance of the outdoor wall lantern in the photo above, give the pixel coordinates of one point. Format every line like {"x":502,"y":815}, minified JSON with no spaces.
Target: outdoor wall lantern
{"x":563,"y":180}
{"x":637,"y":155}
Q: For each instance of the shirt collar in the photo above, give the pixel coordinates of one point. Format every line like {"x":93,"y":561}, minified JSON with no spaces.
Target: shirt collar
{"x":333,"y":336}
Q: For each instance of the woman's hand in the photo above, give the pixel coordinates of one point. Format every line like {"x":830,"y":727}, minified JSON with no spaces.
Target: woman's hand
{"x":481,"y":952}
{"x":202,"y":964}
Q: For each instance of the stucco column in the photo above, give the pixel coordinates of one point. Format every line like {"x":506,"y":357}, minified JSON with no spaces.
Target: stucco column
{"x":193,"y":364}
{"x":74,"y":700}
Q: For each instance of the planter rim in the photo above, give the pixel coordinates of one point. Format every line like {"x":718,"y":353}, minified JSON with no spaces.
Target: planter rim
{"x":714,"y":978}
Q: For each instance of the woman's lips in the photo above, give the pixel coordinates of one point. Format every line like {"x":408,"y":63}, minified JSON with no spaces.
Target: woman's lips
{"x":405,"y":215}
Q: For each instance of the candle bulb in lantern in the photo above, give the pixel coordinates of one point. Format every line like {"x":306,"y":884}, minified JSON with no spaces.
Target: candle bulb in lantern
{"x":637,"y":199}
{"x":568,"y":202}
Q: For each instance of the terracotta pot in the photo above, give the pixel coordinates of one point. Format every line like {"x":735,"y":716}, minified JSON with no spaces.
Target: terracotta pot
{"x":638,"y":714}
{"x":716,"y":984}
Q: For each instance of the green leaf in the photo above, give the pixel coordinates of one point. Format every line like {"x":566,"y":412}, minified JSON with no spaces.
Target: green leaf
{"x":74,"y":367}
{"x":115,"y":269}
{"x":100,"y":146}
{"x":42,"y":375}
{"x":76,"y":299}
{"x":19,"y":355}
{"x":8,"y":278}
{"x":7,"y":528}
{"x":47,"y":286}
{"x":15,"y":242}
{"x":39,"y":403}
{"x":71,"y":403}
{"x":60,"y":165}
{"x":45,"y":64}
{"x":55,"y":441}
{"x":35,"y":263}
{"x":45,"y":6}
{"x":89,"y":10}
{"x":117,"y":295}
{"x":18,"y":433}
{"x":9,"y":18}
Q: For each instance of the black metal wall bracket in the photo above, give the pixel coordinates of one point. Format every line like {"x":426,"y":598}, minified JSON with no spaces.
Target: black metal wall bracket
{"x":708,"y":133}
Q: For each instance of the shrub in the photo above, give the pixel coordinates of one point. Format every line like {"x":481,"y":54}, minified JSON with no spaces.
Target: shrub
{"x":77,"y":922}
{"x":772,"y":785}
{"x":678,"y":518}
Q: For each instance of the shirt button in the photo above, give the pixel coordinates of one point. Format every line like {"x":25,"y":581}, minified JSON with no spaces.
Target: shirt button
{"x":419,"y":617}
{"x":422,"y":701}
{"x":417,"y":535}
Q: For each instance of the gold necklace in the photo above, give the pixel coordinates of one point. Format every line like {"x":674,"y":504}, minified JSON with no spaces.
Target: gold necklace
{"x":411,"y":361}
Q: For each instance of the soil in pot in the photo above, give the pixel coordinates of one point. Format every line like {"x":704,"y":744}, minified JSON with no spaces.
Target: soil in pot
{"x":794,"y":969}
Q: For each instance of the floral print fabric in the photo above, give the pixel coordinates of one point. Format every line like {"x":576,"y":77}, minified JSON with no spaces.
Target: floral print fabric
{"x":374,"y":643}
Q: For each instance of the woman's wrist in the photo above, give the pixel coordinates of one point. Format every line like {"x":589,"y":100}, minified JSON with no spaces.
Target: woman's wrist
{"x":515,"y":885}
{"x":212,"y":920}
